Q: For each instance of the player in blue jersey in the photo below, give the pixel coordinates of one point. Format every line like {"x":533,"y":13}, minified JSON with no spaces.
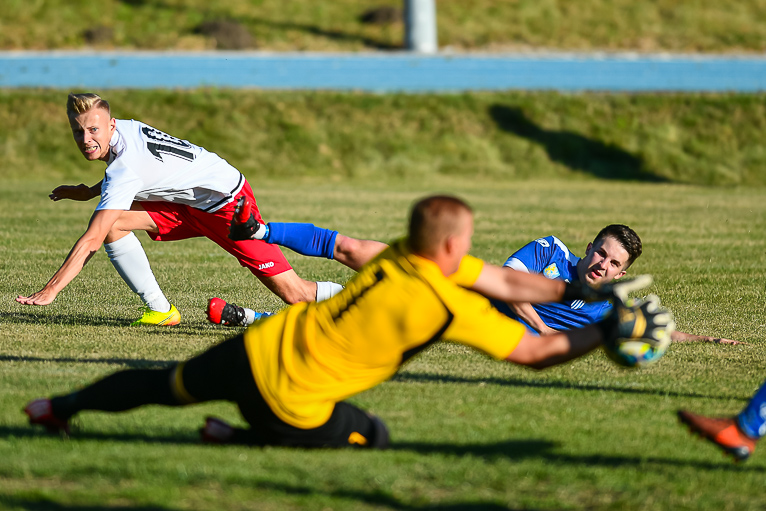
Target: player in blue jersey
{"x":607,"y":258}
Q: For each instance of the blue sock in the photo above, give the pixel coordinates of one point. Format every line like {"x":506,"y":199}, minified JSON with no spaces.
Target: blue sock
{"x":752,"y":420}
{"x":306,"y":239}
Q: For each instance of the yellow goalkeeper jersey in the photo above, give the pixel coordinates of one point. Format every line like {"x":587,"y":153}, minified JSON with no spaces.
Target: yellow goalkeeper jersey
{"x":313,"y":355}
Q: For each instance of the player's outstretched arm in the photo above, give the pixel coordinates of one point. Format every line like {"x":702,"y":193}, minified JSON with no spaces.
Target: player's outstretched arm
{"x":554,"y":349}
{"x":646,"y":321}
{"x":88,"y":244}
{"x":529,"y":315}
{"x":684,"y":337}
{"x":81,"y":192}
{"x":510,"y":285}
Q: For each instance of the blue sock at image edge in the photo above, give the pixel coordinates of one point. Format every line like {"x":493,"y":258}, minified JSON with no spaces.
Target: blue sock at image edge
{"x":752,"y":420}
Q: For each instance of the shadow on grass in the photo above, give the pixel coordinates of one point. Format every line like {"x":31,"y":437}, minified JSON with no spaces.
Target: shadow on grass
{"x":382,"y":499}
{"x":77,"y":435}
{"x":515,"y":382}
{"x":334,"y":35}
{"x":576,"y":151}
{"x":516,"y":450}
{"x":26,"y":318}
{"x":42,"y":504}
{"x":128,"y":362}
{"x":377,"y":498}
{"x":60,"y":319}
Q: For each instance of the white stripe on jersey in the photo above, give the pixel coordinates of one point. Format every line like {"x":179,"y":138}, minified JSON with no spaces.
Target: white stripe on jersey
{"x":577,"y":304}
{"x":570,"y":257}
{"x":516,"y":265}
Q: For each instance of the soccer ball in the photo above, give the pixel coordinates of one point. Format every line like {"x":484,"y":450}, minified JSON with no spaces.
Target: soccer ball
{"x":635,"y":352}
{"x":646,"y":320}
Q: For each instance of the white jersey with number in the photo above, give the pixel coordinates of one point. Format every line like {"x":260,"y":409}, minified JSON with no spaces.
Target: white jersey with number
{"x":149,"y":165}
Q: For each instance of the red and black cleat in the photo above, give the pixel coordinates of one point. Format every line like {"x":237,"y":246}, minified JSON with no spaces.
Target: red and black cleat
{"x":724,"y":433}
{"x":216,"y":431}
{"x":242,"y":211}
{"x":40,"y":412}
{"x":227,"y":314}
{"x":244,"y":226}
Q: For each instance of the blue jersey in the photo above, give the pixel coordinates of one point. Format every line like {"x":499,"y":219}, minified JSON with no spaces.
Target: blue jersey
{"x":550,"y":257}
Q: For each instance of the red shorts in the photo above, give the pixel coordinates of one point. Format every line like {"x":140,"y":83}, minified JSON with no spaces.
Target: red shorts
{"x":179,"y":222}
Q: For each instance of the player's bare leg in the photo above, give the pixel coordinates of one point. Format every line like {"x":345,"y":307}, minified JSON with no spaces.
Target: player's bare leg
{"x":306,"y":239}
{"x":290,"y":287}
{"x":354,"y":252}
{"x":129,"y":259}
{"x":293,"y":289}
{"x":135,"y":219}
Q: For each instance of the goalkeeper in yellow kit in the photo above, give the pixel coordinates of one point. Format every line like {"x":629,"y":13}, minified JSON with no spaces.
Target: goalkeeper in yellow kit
{"x":290,"y":373}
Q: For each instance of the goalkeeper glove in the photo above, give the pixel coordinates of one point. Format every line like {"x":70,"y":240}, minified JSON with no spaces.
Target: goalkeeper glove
{"x":646,"y":322}
{"x":617,"y":289}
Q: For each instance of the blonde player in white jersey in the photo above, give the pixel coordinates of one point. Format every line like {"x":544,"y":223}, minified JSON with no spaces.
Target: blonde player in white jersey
{"x":171,"y":189}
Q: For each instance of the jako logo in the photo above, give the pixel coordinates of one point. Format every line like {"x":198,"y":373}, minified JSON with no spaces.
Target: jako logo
{"x":266,"y":265}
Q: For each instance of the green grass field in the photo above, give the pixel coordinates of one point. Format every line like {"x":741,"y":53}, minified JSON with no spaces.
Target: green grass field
{"x":303,"y":25}
{"x":686,"y":171}
{"x":467,"y":432}
{"x":707,"y":139}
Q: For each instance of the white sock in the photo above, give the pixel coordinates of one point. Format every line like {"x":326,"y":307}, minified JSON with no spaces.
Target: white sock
{"x":249,"y":316}
{"x":262,"y":232}
{"x":327,"y":290}
{"x":130,"y":261}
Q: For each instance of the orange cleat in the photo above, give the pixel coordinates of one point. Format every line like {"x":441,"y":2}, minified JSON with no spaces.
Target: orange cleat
{"x":725,"y":433}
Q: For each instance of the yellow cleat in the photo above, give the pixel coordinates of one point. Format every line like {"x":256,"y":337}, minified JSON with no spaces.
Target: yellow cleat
{"x":150,"y":317}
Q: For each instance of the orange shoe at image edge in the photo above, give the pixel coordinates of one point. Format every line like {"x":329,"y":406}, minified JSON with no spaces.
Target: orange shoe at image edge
{"x":724,"y":432}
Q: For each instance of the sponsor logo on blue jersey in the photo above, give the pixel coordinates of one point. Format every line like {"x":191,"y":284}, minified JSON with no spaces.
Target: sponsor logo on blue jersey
{"x":552,"y":271}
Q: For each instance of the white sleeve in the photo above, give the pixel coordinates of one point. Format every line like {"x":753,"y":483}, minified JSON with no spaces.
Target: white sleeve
{"x":516,"y":265}
{"x":120,"y":186}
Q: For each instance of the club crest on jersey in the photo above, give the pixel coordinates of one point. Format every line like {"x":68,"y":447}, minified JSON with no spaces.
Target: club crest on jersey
{"x":552,"y":271}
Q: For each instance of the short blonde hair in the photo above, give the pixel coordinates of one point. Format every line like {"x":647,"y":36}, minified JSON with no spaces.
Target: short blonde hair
{"x":433,"y":220}
{"x":77,"y":104}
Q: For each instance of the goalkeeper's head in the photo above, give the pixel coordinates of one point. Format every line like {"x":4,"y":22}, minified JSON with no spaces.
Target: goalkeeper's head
{"x":610,"y":254}
{"x":441,"y":227}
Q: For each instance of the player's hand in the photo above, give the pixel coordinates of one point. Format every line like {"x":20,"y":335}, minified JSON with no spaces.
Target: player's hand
{"x":42,"y":297}
{"x":684,"y":337}
{"x":81,"y":192}
{"x":721,"y":340}
{"x":546,"y":330}
{"x":646,"y":321}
